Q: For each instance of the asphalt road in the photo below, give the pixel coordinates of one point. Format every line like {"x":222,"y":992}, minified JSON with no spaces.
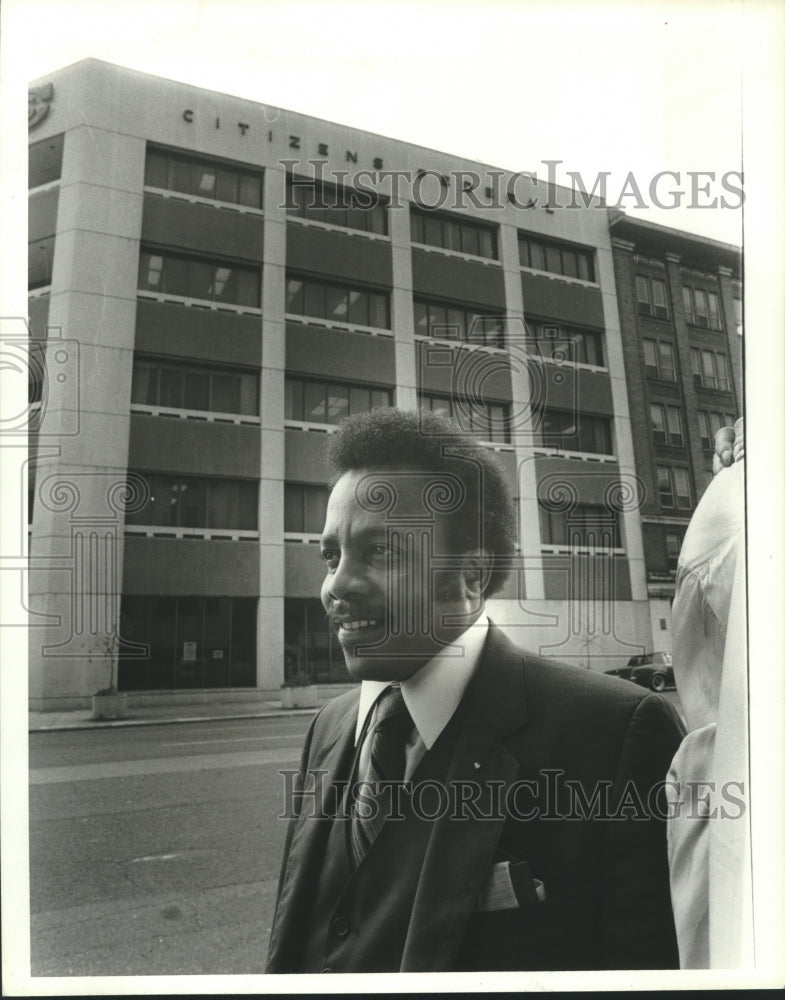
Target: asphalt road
{"x":155,"y":850}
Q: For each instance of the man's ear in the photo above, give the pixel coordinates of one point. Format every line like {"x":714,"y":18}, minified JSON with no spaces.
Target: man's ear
{"x":477,"y":573}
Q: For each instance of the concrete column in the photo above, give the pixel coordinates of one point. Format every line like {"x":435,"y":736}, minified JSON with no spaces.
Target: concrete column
{"x":614,"y":361}
{"x":272,"y":583}
{"x":403,"y":308}
{"x":528,"y":510}
{"x":77,"y":541}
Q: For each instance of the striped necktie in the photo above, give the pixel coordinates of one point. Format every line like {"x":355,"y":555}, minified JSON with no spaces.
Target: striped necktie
{"x":387,"y":763}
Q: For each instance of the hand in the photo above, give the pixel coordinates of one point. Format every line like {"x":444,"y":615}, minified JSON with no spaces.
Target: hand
{"x":728,"y":446}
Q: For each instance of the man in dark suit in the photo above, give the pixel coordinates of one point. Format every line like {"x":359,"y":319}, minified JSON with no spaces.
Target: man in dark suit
{"x":469,"y":806}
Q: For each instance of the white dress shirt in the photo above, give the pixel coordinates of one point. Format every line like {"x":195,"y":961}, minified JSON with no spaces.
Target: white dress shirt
{"x":432,"y":695}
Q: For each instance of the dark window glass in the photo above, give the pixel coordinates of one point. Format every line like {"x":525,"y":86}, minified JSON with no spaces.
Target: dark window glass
{"x":315,"y":402}
{"x":337,"y":403}
{"x":378,"y":310}
{"x":537,"y":256}
{"x":453,"y":234}
{"x":358,"y":307}
{"x":306,"y":506}
{"x":195,"y":388}
{"x":336,"y":303}
{"x":665,"y":485}
{"x":250,"y":190}
{"x":675,"y":434}
{"x":658,"y":423}
{"x":359,"y":400}
{"x":553,"y":259}
{"x":225,"y":393}
{"x":181,"y":176}
{"x":171,"y":388}
{"x":151,"y":271}
{"x":421,"y":318}
{"x":197,"y":392}
{"x":144,"y":388}
{"x":659,"y":300}
{"x":325,"y":300}
{"x":294,"y":508}
{"x":204,"y":181}
{"x":175,"y":277}
{"x":569,"y":263}
{"x":566,"y":343}
{"x":204,"y":178}
{"x":293,"y":400}
{"x":667,"y":369}
{"x":295,"y":296}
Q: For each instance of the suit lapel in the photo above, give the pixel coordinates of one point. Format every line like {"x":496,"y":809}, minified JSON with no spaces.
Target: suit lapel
{"x":460,"y":852}
{"x":333,"y":757}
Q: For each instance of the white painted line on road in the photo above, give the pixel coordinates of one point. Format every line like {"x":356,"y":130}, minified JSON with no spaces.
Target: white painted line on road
{"x":156,"y":857}
{"x":232,"y":739}
{"x":163,"y":765}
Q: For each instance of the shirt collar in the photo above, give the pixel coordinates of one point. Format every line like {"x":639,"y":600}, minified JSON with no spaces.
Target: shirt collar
{"x":434,"y":692}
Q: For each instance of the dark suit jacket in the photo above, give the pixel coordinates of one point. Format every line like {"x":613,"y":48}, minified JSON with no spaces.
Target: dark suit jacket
{"x":584,"y":754}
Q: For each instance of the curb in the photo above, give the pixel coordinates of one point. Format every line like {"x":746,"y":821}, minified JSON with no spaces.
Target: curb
{"x":175,"y":720}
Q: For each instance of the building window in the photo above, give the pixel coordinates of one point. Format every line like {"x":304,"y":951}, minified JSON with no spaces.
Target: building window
{"x":193,"y":642}
{"x":311,"y":648}
{"x":702,"y":308}
{"x":193,"y":387}
{"x":652,"y":296}
{"x":307,"y":198}
{"x":673,"y":540}
{"x":709,"y":423}
{"x":586,"y":525}
{"x":666,"y":424}
{"x":40,"y":257}
{"x":449,"y":233}
{"x":567,"y":343}
{"x":709,"y":369}
{"x":199,"y":278}
{"x":44,"y":161}
{"x":571,"y":431}
{"x":189,"y":502}
{"x":305,"y":507}
{"x":556,"y":258}
{"x":338,"y":303}
{"x":450,"y":321}
{"x":203,"y":177}
{"x":673,"y":484}
{"x":328,"y":402}
{"x":658,"y":359}
{"x":488,"y":419}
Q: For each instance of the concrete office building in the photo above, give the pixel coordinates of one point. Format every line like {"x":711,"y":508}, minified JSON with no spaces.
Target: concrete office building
{"x":214,"y":284}
{"x":680,"y":306}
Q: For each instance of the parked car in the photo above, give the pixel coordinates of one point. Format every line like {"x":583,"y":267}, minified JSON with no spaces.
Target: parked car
{"x":651,"y":670}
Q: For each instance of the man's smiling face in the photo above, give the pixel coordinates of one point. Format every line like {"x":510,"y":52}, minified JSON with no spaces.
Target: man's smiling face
{"x":384,"y":601}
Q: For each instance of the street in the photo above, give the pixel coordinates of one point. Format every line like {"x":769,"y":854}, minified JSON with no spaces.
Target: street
{"x":154,"y":850}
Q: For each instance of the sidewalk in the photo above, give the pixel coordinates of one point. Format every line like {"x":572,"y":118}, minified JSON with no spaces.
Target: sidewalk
{"x":164,"y":715}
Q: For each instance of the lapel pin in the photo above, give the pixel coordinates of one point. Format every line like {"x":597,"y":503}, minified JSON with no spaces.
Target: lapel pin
{"x":477,"y":765}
